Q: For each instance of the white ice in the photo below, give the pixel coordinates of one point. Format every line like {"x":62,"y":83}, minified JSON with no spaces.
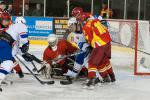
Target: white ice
{"x":127,"y":87}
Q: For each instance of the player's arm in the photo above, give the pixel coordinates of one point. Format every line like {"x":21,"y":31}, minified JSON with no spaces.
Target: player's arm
{"x":6,"y":37}
{"x":24,"y":42}
{"x":70,"y":48}
{"x":46,"y":55}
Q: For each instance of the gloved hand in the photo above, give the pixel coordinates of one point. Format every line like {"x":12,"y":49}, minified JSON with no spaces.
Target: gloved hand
{"x":28,"y":57}
{"x":25,"y":48}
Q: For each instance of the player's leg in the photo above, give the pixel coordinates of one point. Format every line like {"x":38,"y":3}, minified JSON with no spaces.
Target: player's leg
{"x":79,"y":59}
{"x":95,"y":59}
{"x":107,"y":62}
{"x":103,"y":72}
{"x":73,"y":73}
{"x":18,"y":70}
{"x":5,"y":68}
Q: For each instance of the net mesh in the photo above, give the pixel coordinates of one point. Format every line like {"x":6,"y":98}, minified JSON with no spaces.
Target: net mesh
{"x":126,"y":35}
{"x":143,"y":58}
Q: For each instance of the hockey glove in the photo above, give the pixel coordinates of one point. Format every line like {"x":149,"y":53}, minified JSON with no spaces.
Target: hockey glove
{"x":28,"y":57}
{"x":25,"y":47}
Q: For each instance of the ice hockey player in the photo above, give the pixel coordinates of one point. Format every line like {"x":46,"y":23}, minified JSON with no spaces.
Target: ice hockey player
{"x":9,"y":39}
{"x":4,"y":25}
{"x":77,"y":39}
{"x":99,"y":38}
{"x":55,"y":50}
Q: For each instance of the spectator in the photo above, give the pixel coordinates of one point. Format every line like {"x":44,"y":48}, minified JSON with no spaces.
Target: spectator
{"x":11,"y":10}
{"x":38,"y":11}
{"x":3,"y":5}
{"x":105,"y":12}
{"x":27,"y":11}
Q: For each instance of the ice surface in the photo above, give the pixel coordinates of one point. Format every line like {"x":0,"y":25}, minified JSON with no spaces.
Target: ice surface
{"x":127,"y":87}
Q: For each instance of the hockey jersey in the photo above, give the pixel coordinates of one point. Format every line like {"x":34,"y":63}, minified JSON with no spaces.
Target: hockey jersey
{"x":19,"y":33}
{"x":95,"y":33}
{"x":63,"y":48}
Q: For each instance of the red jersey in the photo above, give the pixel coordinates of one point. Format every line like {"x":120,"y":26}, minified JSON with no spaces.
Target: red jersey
{"x":95,"y":33}
{"x":63,"y":48}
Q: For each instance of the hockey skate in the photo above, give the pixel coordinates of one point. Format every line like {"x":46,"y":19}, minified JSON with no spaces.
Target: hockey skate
{"x":90,"y":84}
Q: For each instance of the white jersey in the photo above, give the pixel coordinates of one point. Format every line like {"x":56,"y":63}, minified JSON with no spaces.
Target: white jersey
{"x":18,"y":32}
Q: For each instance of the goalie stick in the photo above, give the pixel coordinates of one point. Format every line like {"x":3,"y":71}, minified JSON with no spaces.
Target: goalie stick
{"x":66,"y":56}
{"x":34,"y":69}
{"x":42,"y":82}
{"x":55,"y":60}
{"x":131,"y":47}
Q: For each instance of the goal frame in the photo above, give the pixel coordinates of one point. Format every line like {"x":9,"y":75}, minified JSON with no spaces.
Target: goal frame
{"x":135,"y":44}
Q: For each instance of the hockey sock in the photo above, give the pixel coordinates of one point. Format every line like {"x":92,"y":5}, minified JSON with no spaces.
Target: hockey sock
{"x":71,"y":73}
{"x":19,"y":71}
{"x":111,"y":74}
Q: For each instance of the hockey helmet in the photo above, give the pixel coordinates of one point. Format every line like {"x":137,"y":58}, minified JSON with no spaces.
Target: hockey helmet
{"x":52,"y":40}
{"x":71,"y":21}
{"x":20,"y":20}
{"x":5,"y":16}
{"x":77,"y":11}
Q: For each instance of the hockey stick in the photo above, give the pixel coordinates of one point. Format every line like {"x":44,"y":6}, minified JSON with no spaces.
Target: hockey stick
{"x":57,"y":59}
{"x":34,"y":69}
{"x":42,"y":82}
{"x":131,"y":47}
{"x":66,"y":56}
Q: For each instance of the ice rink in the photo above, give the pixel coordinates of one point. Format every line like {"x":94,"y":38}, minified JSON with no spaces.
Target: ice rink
{"x":127,"y":86}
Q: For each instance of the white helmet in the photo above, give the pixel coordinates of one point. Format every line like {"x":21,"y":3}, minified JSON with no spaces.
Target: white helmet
{"x":52,"y":40}
{"x":71,"y":21}
{"x":20,"y":20}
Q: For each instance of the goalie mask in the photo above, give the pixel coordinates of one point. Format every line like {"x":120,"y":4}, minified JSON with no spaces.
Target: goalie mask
{"x":53,"y":40}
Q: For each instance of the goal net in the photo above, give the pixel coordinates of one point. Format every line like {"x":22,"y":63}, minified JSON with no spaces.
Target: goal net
{"x":131,"y":44}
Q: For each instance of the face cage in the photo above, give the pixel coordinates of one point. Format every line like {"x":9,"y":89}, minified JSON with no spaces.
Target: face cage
{"x":52,"y":44}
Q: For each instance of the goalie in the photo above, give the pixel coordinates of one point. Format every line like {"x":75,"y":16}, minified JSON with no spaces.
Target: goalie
{"x":55,"y":50}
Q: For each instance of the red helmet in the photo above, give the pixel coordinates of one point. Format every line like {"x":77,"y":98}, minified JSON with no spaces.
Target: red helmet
{"x":77,"y":11}
{"x":84,"y":16}
{"x":5,"y":16}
